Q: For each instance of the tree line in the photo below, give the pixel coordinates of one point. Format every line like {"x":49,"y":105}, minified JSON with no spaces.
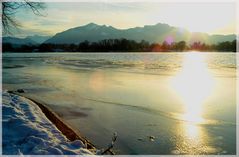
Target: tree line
{"x":122,"y":45}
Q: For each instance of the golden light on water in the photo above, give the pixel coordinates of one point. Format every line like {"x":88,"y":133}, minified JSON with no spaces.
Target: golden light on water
{"x":193,"y":84}
{"x":192,"y":131}
{"x":96,"y":81}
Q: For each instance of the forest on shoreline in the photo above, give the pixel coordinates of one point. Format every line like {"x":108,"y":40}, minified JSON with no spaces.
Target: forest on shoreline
{"x":122,"y":45}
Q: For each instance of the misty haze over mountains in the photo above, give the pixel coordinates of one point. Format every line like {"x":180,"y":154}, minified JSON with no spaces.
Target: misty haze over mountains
{"x":152,"y":33}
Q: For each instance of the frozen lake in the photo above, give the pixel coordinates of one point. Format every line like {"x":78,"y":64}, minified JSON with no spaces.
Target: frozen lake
{"x":158,"y":103}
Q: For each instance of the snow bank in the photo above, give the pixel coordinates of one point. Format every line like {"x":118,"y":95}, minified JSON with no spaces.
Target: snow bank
{"x":26,"y":130}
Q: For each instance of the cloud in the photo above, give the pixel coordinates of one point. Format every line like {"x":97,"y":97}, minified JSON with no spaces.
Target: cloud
{"x":61,"y":16}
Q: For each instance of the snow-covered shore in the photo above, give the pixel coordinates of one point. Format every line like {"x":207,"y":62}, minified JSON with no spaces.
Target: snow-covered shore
{"x":26,"y":130}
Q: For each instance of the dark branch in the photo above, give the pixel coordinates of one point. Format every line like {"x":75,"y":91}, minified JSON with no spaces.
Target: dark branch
{"x":9,"y":9}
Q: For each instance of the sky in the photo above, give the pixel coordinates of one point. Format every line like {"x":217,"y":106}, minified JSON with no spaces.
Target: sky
{"x":208,"y":17}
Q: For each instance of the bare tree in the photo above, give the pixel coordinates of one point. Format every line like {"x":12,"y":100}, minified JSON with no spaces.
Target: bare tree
{"x":10,"y":8}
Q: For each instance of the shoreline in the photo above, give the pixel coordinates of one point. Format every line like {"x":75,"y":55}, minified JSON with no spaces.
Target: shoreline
{"x":60,"y":124}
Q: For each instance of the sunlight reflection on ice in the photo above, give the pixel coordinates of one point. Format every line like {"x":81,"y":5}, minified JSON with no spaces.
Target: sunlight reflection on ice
{"x":193,"y":84}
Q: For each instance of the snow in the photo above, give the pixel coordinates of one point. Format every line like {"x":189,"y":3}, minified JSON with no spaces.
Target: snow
{"x":26,"y":130}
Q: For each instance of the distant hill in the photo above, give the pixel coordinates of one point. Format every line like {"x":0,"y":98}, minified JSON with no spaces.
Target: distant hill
{"x":152,"y":33}
{"x":18,"y":41}
{"x":38,"y":39}
{"x":29,"y":40}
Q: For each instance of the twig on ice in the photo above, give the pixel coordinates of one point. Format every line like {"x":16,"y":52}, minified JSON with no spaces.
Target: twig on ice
{"x":111,"y":145}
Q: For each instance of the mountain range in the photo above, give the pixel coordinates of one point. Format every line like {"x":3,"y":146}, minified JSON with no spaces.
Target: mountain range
{"x":152,"y":33}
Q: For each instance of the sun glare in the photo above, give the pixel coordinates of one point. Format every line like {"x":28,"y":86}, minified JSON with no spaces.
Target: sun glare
{"x":193,"y":84}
